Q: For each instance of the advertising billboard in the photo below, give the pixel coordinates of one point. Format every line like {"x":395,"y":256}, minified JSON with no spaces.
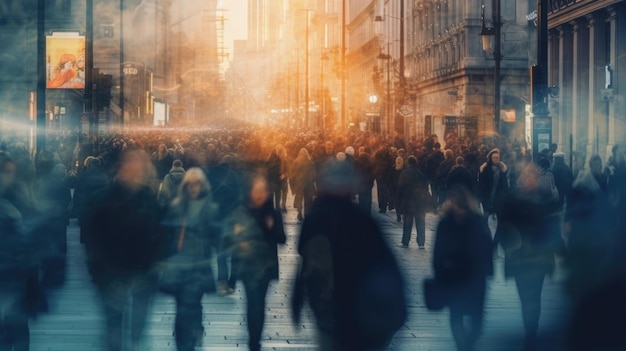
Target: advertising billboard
{"x":65,"y":61}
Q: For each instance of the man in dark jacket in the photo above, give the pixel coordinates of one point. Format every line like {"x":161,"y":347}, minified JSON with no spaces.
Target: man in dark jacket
{"x":434,"y":159}
{"x":563,"y":178}
{"x":413,"y":194}
{"x":382,"y":172}
{"x":441,"y":175}
{"x":122,"y":248}
{"x":89,"y":183}
{"x":493,"y":184}
{"x":459,"y":175}
{"x":364,"y":171}
{"x":170,"y":183}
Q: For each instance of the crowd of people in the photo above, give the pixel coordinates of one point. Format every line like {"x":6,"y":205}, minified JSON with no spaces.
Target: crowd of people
{"x":195,"y":197}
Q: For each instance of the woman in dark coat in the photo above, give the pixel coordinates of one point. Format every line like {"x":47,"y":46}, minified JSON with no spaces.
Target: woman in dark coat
{"x":302,"y":181}
{"x":527,"y":235}
{"x":191,"y":220}
{"x":274,"y":172}
{"x":462,"y":260}
{"x":252,"y":233}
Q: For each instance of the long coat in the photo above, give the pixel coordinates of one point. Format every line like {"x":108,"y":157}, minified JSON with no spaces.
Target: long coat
{"x":123,"y":239}
{"x":252,"y":243}
{"x":302,"y":177}
{"x":413,"y":191}
{"x":462,"y":259}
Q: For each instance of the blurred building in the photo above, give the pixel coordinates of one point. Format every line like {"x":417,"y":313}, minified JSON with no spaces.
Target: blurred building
{"x":587,"y":51}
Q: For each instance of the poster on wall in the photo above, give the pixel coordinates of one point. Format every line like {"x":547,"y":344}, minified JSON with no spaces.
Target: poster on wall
{"x":65,"y":61}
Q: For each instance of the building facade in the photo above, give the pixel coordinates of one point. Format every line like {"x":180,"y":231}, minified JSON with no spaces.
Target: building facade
{"x":587,"y":56}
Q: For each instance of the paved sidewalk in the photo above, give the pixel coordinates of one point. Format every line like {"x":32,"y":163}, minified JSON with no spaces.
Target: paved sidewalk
{"x":76,"y":323}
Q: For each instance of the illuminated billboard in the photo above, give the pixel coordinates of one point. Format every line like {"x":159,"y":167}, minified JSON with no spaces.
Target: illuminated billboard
{"x":65,"y":61}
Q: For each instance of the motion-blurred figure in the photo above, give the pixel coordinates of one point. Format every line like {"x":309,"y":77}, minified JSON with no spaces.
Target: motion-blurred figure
{"x":122,"y":250}
{"x":413,"y":194}
{"x":252,"y":233}
{"x":170,"y":184}
{"x":462,"y":260}
{"x":530,"y":241}
{"x":348,"y":274}
{"x":190,"y":223}
{"x":302,"y":182}
{"x":15,"y":266}
{"x":90,"y":183}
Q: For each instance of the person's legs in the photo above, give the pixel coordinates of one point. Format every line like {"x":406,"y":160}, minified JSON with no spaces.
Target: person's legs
{"x":529,"y":285}
{"x":284,"y":189}
{"x":14,"y":326}
{"x":256,"y":289}
{"x":420,"y":226}
{"x":142,"y":292}
{"x":458,"y":329}
{"x":382,"y":195}
{"x":188,"y":325}
{"x":113,"y":303}
{"x":407,"y":227}
{"x":476,"y":328}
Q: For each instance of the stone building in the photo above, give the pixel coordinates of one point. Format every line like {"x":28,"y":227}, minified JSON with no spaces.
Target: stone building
{"x":587,"y":57}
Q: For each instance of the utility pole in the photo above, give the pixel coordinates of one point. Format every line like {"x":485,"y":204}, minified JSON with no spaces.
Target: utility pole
{"x":542,"y":122}
{"x":497,"y":57}
{"x":343,"y":64}
{"x":41,"y":75}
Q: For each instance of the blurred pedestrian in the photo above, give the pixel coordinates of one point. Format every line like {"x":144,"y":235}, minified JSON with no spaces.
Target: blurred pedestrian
{"x":191,"y":226}
{"x":90,"y":183}
{"x":122,"y":249}
{"x":383,"y":164}
{"x":393,"y":186}
{"x":364,"y":181}
{"x":462,"y":260}
{"x":252,"y":233}
{"x":344,"y":262}
{"x":302,"y":180}
{"x":414,"y":199}
{"x":171,"y":182}
{"x":274,"y":177}
{"x":527,"y":236}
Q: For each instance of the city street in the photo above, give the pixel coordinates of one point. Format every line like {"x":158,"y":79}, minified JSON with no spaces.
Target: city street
{"x":75,"y":321}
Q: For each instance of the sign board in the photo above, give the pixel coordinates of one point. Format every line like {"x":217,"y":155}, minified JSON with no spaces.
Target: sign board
{"x":542,"y":135}
{"x":458,"y":120}
{"x":65,"y":61}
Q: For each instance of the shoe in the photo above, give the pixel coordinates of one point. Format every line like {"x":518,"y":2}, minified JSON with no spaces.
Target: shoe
{"x":406,"y":246}
{"x":224,"y":289}
{"x":421,"y":247}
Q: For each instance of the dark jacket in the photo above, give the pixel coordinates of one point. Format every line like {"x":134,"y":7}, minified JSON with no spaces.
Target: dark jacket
{"x":563,"y":179}
{"x":252,"y":243}
{"x":170,"y":184}
{"x":492,"y":193}
{"x":459,"y":175}
{"x":90,"y":183}
{"x":432,"y":163}
{"x":341,"y":280}
{"x":462,"y":259}
{"x":364,"y":172}
{"x":123,"y":238}
{"x":413,"y":191}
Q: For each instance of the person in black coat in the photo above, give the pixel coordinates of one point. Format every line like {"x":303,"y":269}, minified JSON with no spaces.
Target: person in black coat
{"x":251,"y":234}
{"x":122,"y":248}
{"x":340,"y":280}
{"x":364,"y":171}
{"x":493,"y":183}
{"x":527,"y":235}
{"x":462,"y":260}
{"x":91,"y":182}
{"x":414,"y":197}
{"x":460,"y":176}
{"x":382,"y":162}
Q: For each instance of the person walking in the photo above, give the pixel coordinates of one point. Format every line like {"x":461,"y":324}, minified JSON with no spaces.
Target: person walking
{"x":527,"y":235}
{"x":252,"y":233}
{"x":364,"y":171}
{"x":302,"y":181}
{"x":413,"y":190}
{"x":122,"y":249}
{"x":398,"y":167}
{"x":171,"y":182}
{"x":462,"y":260}
{"x":190,"y":223}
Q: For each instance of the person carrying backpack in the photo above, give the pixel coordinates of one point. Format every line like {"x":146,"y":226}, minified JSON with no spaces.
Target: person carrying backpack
{"x":170,"y":183}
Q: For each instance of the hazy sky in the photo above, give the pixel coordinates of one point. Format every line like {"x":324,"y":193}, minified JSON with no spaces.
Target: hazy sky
{"x":236,"y":26}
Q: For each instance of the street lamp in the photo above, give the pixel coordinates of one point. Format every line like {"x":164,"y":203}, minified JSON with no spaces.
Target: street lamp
{"x":486,"y":34}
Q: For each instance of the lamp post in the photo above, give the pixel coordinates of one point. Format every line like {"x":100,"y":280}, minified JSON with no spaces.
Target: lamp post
{"x":486,"y":34}
{"x":306,"y":68}
{"x":323,"y":58}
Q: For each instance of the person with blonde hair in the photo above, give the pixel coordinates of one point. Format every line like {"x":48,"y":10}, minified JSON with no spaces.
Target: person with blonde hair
{"x":190,"y":225}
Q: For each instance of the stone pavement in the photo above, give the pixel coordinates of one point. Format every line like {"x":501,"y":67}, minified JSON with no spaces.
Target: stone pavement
{"x":75,"y":321}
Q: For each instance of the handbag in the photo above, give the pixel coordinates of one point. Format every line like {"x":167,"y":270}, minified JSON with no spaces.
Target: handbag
{"x":170,"y":273}
{"x":435,"y":295}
